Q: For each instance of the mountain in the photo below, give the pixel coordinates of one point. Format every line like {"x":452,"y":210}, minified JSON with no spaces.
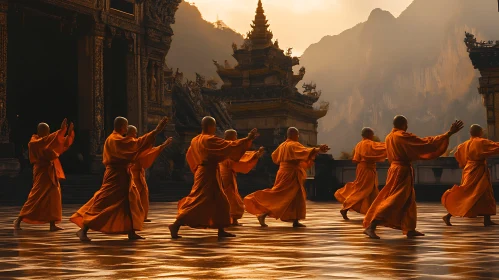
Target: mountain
{"x":416,"y":65}
{"x":196,"y":43}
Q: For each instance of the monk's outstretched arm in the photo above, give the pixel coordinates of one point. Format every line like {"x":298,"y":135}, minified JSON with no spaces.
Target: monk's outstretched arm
{"x":294,"y":151}
{"x":148,"y":158}
{"x":425,"y":148}
{"x":490,"y":148}
{"x":147,"y":140}
{"x":69,"y":140}
{"x":376,"y":152}
{"x":57,"y":140}
{"x":246,"y":163}
{"x":228,"y":149}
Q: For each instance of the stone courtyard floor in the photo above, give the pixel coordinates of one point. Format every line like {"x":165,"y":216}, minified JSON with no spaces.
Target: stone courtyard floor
{"x":329,"y":248}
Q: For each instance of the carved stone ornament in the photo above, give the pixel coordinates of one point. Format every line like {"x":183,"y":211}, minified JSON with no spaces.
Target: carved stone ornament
{"x":99,"y":4}
{"x":162,"y":11}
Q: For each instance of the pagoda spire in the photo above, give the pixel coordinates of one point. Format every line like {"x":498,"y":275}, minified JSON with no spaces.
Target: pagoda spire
{"x":260,"y":34}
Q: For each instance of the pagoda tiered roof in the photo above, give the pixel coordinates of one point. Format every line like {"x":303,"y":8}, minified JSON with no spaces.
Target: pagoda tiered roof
{"x":260,"y":35}
{"x":264,"y":74}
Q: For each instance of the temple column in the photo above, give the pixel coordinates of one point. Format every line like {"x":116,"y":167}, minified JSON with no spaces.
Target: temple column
{"x":9,"y":165}
{"x":4,"y":129}
{"x":144,"y":88}
{"x":489,"y":89}
{"x":133,"y":94}
{"x":97,"y":134}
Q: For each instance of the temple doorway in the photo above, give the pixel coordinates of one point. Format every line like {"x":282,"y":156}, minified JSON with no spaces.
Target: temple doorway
{"x":115,"y":82}
{"x":43,"y":82}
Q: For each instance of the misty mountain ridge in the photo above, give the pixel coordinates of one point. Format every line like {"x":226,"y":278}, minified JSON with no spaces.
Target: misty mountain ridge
{"x":197,"y":42}
{"x":416,"y":65}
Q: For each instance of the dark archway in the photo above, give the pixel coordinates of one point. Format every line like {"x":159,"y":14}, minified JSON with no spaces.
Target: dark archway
{"x":43,"y":81}
{"x":115,"y":82}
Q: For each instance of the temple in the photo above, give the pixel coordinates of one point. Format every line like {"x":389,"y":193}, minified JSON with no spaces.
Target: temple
{"x":485,"y":58}
{"x":261,"y":89}
{"x":87,"y":60}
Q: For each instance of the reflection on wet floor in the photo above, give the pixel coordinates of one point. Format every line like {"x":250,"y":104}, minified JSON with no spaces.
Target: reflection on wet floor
{"x":328,"y":248}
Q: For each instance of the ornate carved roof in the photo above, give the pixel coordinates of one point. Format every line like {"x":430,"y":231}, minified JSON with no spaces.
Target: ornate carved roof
{"x":190,"y":106}
{"x":482,"y":54}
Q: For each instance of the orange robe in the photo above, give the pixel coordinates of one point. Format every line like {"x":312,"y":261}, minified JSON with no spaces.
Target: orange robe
{"x":360,"y":194}
{"x":228,"y":173}
{"x":138,"y":170}
{"x":395,"y":205}
{"x":474,"y":197}
{"x":286,"y":200}
{"x":207,"y":205}
{"x":44,"y":202}
{"x":116,"y":206}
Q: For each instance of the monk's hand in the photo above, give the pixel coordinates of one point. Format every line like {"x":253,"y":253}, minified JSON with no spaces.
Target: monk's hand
{"x":71,"y":129}
{"x":455,"y":127}
{"x":64,"y":124}
{"x":261,"y":151}
{"x":168,"y":142}
{"x":323,"y":148}
{"x":162,"y":124}
{"x":253,"y":134}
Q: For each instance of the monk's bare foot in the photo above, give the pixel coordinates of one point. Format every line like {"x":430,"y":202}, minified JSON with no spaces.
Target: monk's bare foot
{"x":55,"y":228}
{"x":147,"y":221}
{"x":82,"y":235}
{"x":414,"y":233}
{"x":489,"y":223}
{"x":261,"y":220}
{"x":17,"y":224}
{"x":446,"y":219}
{"x":343,"y":213}
{"x":371,"y":233}
{"x":134,"y":236}
{"x":298,"y":224}
{"x":224,"y":234}
{"x":174,"y":231}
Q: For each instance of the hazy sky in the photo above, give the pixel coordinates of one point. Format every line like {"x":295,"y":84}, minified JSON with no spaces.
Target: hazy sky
{"x":297,"y":23}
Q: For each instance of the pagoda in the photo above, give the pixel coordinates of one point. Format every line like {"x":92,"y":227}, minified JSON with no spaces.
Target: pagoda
{"x":261,"y":89}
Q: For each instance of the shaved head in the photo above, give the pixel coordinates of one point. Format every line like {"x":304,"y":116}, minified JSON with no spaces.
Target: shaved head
{"x":367,"y":133}
{"x":230,"y":134}
{"x":400,"y":122}
{"x":120,"y":125}
{"x":43,"y":129}
{"x":209,"y":125}
{"x":131,"y":131}
{"x":476,"y":130}
{"x":293,"y":133}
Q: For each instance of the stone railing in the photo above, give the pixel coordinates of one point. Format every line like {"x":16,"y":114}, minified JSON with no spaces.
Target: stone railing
{"x":431,"y":178}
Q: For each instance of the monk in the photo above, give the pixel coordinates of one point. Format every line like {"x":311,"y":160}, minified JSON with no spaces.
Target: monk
{"x":286,"y":200}
{"x":395,"y":206}
{"x":360,"y":194}
{"x":228,"y":173}
{"x":207,"y":205}
{"x":115,"y":208}
{"x":44,"y":204}
{"x":138,"y":169}
{"x":474,"y":197}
